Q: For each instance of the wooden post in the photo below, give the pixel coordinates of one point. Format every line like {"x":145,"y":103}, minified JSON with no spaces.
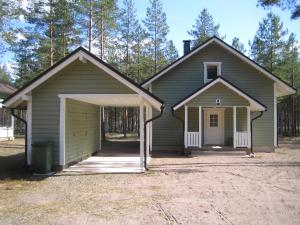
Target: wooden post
{"x":142,"y":133}
{"x":248,"y":127}
{"x":185,"y":125}
{"x":200,"y":127}
{"x":100,"y":127}
{"x":234,"y":126}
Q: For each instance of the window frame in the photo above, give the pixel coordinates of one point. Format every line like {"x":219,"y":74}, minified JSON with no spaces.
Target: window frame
{"x":206,"y":64}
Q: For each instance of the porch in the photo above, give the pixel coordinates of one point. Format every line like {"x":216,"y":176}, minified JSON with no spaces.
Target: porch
{"x":216,"y":127}
{"x":218,"y":114}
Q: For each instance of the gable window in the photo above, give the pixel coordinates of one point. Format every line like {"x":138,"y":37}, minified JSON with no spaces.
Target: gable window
{"x":211,"y":70}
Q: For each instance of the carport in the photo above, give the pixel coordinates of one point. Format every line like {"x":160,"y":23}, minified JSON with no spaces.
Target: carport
{"x":64,"y":106}
{"x":112,"y":161}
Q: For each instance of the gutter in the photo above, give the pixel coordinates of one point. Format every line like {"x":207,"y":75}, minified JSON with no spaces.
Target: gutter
{"x":25,"y":123}
{"x":145,"y":126}
{"x":251,"y":127}
{"x":182,"y":121}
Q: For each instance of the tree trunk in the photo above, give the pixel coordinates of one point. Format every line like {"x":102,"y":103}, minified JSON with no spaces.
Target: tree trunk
{"x":90,"y":25}
{"x":51,"y":34}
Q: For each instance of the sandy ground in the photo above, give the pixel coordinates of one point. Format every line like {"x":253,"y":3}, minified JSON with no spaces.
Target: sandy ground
{"x":210,"y":188}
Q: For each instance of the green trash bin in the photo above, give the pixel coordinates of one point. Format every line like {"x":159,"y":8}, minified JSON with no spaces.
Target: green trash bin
{"x":42,"y":157}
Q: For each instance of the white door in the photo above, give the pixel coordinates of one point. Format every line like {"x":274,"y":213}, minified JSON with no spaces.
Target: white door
{"x":214,"y":126}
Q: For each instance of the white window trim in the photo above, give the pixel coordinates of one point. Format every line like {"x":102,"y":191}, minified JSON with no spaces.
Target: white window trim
{"x":205,"y":64}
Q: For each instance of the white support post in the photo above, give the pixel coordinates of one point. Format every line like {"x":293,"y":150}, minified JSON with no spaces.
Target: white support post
{"x":249,"y":127}
{"x":234,"y":126}
{"x":142,"y":134}
{"x":12,"y":127}
{"x":29,"y":129}
{"x":100,"y":128}
{"x":150,"y":128}
{"x":200,"y":127}
{"x":62,"y":118}
{"x":185,"y":125}
{"x":147,"y":131}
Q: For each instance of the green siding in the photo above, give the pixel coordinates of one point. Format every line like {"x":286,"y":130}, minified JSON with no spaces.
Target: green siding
{"x":188,"y":77}
{"x":220,"y":91}
{"x":82,"y":130}
{"x":77,"y":78}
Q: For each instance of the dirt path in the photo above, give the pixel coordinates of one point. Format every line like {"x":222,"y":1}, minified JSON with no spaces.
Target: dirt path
{"x":219,"y":188}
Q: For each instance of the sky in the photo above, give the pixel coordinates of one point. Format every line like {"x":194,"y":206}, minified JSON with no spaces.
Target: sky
{"x":237,"y":18}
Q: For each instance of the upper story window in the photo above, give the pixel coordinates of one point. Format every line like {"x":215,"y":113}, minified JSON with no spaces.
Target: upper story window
{"x":211,"y":70}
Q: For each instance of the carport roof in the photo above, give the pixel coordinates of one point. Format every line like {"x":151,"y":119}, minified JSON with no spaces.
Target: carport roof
{"x":83,"y":55}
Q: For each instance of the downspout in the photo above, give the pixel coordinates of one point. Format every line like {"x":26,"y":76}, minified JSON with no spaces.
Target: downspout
{"x":182,"y":120}
{"x":25,"y":123}
{"x":145,"y":126}
{"x":252,"y":120}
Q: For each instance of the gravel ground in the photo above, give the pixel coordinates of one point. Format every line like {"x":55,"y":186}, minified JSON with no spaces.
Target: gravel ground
{"x":209,"y":188}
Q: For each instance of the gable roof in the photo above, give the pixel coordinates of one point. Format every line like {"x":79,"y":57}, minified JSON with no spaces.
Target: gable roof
{"x":6,"y":88}
{"x":283,"y":87}
{"x":254,"y":104}
{"x":82,"y":54}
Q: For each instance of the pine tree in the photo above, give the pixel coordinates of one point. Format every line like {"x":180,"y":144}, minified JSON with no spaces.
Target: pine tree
{"x":105,"y":13}
{"x":289,"y":65}
{"x":171,"y":52}
{"x":128,"y":24}
{"x":268,"y":42}
{"x":9,"y":13}
{"x":204,"y":28}
{"x":238,"y":45}
{"x":4,"y":74}
{"x":141,"y":68}
{"x":157,"y":27}
{"x":292,"y":5}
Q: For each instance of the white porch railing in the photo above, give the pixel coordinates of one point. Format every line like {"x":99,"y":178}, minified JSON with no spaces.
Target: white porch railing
{"x":6,"y":132}
{"x":192,"y":139}
{"x":241,"y":139}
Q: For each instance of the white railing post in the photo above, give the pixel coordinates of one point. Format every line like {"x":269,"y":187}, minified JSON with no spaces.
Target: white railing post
{"x":234,"y":126}
{"x":248,"y":127}
{"x":142,"y":133}
{"x":200,"y":127}
{"x":185,"y":125}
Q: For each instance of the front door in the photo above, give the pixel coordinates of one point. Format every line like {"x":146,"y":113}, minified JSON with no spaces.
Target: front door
{"x":214,"y":126}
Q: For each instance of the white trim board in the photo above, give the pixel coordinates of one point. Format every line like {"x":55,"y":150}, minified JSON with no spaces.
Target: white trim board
{"x":255,"y":105}
{"x":83,"y":55}
{"x":284,"y":88}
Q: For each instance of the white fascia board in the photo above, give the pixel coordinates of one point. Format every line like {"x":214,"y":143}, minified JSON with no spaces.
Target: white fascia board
{"x":82,"y":55}
{"x":152,"y":100}
{"x":272,"y":77}
{"x":255,"y":105}
{"x":42,"y":79}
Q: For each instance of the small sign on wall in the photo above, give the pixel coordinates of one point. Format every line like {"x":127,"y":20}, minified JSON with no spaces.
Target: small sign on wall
{"x":218,"y":101}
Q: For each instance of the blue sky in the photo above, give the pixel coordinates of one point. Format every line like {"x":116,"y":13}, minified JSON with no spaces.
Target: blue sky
{"x":236,"y":18}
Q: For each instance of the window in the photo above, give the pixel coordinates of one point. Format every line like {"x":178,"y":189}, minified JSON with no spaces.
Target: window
{"x":213,"y":120}
{"x":211,"y":70}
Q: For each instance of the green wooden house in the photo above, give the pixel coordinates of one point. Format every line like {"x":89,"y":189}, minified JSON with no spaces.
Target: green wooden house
{"x":211,"y":96}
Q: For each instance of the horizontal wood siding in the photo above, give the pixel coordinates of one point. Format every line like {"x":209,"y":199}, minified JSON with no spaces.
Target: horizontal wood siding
{"x":77,"y":78}
{"x":188,"y":77}
{"x":82,"y":130}
{"x":218,"y":91}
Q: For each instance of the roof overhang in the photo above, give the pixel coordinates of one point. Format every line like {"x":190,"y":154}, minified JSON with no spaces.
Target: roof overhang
{"x":254,"y":104}
{"x":82,"y":55}
{"x":282,"y":87}
{"x":115,"y":100}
